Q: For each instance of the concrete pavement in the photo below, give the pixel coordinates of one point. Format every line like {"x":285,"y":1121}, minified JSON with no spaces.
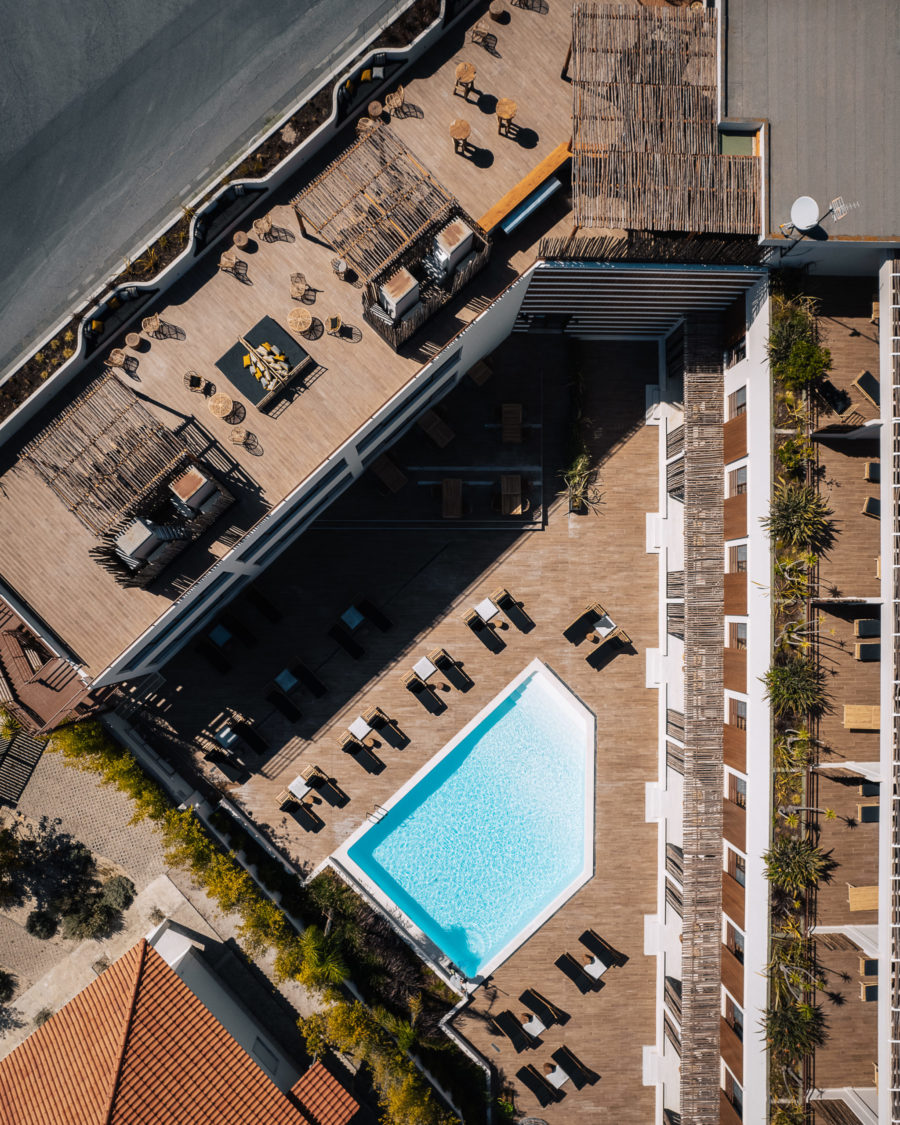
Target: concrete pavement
{"x":114,"y":112}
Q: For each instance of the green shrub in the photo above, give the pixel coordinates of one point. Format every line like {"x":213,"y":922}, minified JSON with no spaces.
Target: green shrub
{"x":41,"y":924}
{"x":93,"y":919}
{"x":799,"y":517}
{"x":804,"y":367}
{"x":795,"y":863}
{"x":42,"y":1016}
{"x":795,"y":454}
{"x":118,"y":892}
{"x":9,"y":724}
{"x":795,"y":687}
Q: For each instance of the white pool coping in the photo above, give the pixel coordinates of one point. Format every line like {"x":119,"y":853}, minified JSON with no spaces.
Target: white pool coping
{"x":427,"y":949}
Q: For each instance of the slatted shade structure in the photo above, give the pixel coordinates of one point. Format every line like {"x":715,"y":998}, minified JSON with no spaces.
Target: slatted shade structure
{"x":375,"y":201}
{"x":104,"y":453}
{"x":645,"y":137}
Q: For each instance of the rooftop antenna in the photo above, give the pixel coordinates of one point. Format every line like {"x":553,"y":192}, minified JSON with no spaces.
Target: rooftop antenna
{"x":805,"y":215}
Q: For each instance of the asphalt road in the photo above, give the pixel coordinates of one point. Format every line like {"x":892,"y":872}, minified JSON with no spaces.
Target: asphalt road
{"x":114,"y":111}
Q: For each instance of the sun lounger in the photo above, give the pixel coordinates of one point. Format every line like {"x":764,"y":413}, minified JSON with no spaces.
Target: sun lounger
{"x":576,"y":974}
{"x":450,"y":669}
{"x":374,"y":614}
{"x":539,"y":1086}
{"x":341,"y":634}
{"x":868,"y":386}
{"x":432,"y":424}
{"x":868,"y":813}
{"x":388,"y":473}
{"x":584,"y":623}
{"x":451,"y":498}
{"x":872,"y":507}
{"x":546,"y":1012}
{"x":261,"y":603}
{"x":309,"y":679}
{"x":862,"y":898}
{"x":211,"y":653}
{"x":283,"y":705}
{"x":484,"y":631}
{"x":507,"y":1024}
{"x":239,"y":629}
{"x":867,"y":650}
{"x":872,"y":472}
{"x":480,"y":373}
{"x":602,"y":949}
{"x":867,"y":627}
{"x":514,"y":610}
{"x":286,"y":801}
{"x":569,"y":1062}
{"x":349,"y":743}
{"x":511,"y":423}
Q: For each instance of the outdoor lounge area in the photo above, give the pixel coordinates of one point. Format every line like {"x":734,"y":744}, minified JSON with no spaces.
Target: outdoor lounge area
{"x":345,"y":642}
{"x":264,"y":363}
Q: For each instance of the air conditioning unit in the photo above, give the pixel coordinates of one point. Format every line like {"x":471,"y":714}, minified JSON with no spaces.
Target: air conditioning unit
{"x":141,"y":538}
{"x":399,"y":293}
{"x":452,"y":244}
{"x":191,"y":490}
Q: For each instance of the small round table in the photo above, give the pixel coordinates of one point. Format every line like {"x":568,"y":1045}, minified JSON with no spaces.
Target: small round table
{"x":496,"y":9}
{"x":240,"y":239}
{"x":465,"y":77}
{"x":375,"y":110}
{"x":133,"y":340}
{"x":220,"y":405}
{"x":300,"y":321}
{"x":459,"y":131}
{"x":506,"y":111}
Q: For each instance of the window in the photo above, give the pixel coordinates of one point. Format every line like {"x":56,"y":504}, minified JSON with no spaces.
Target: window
{"x":737,"y":634}
{"x":734,"y":939}
{"x":734,"y":1093}
{"x":737,"y":400}
{"x":737,"y":481}
{"x":737,"y":790}
{"x":737,"y":867}
{"x":737,"y":559}
{"x":735,"y":354}
{"x":290,"y":513}
{"x":734,"y":1017}
{"x":737,"y":713}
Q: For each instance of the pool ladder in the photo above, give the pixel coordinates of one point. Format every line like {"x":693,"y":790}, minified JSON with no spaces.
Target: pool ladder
{"x":377,"y":813}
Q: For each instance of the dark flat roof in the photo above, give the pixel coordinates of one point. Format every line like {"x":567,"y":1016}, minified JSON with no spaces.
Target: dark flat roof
{"x":826,"y":74}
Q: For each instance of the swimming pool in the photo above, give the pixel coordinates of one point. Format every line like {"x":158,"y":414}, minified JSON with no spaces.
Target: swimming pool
{"x":489,"y":838}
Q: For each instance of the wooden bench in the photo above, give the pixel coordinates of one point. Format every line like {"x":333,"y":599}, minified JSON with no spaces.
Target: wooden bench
{"x":511,"y":423}
{"x":388,"y":473}
{"x":869,"y":387}
{"x":862,"y":898}
{"x":436,"y":428}
{"x":480,"y":372}
{"x":524,"y":188}
{"x":451,"y":498}
{"x":862,"y":717}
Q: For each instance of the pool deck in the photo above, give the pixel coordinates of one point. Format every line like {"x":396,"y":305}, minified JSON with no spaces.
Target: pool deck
{"x":424,"y":578}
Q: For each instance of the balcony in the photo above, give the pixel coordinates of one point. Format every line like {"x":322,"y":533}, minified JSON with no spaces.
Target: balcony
{"x":732,"y":1049}
{"x":733,"y":974}
{"x":734,"y":438}
{"x":728,"y":1115}
{"x":736,"y":590}
{"x":735,"y":666}
{"x":673,"y":996}
{"x":733,"y":899}
{"x":734,"y":747}
{"x":736,"y":516}
{"x":734,"y":824}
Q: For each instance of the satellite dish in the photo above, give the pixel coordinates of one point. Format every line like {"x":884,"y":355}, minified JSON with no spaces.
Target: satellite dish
{"x":804,"y":213}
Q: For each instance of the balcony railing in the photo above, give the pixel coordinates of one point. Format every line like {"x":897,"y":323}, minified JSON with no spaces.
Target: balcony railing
{"x":734,"y":824}
{"x":673,"y":996}
{"x":735,"y":668}
{"x":675,"y":584}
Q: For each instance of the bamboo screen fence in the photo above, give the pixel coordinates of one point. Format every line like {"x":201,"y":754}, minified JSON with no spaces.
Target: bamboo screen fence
{"x":103,"y":453}
{"x":645,"y":137}
{"x":375,"y":200}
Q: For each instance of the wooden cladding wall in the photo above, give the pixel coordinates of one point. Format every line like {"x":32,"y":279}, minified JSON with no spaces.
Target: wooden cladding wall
{"x":733,"y":975}
{"x":734,"y":747}
{"x":728,"y":1115}
{"x":734,"y":824}
{"x":736,"y":591}
{"x":736,"y":516}
{"x":735,"y":438}
{"x":735,"y":667}
{"x":732,"y":1049}
{"x":703,"y":717}
{"x":733,"y":899}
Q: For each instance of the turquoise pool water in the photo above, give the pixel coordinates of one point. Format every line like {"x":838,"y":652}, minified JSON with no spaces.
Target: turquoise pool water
{"x":495,"y":831}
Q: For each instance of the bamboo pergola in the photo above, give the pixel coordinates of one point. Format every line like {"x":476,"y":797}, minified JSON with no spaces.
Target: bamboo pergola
{"x":373,"y":202}
{"x":104,"y":453}
{"x":645,"y":137}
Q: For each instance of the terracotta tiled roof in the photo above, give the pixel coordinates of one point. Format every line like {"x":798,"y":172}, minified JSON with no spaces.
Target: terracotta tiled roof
{"x":323,"y":1097}
{"x":137,"y":1046}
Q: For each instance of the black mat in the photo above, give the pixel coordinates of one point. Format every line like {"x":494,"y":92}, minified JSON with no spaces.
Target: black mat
{"x":232,"y":362}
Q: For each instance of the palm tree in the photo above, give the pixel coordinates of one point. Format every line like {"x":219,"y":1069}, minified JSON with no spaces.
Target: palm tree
{"x":795,"y":863}
{"x":799,"y":517}
{"x":794,"y":687}
{"x":323,"y":963}
{"x":791,"y":814}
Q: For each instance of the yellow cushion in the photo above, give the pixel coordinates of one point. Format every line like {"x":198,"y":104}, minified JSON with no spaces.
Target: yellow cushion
{"x":246,"y":361}
{"x":366,"y":76}
{"x":268,"y":347}
{"x":281,"y":357}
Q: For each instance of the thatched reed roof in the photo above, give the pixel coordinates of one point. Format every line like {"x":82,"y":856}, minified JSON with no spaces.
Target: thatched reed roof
{"x":373,"y":202}
{"x":645,"y":138}
{"x":104,"y":453}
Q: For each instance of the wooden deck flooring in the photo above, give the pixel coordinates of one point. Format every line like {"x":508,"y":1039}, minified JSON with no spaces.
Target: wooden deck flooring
{"x":424,"y":581}
{"x":87,"y":609}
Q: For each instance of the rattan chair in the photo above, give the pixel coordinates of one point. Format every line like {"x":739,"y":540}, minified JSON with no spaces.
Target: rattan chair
{"x":393,"y":103}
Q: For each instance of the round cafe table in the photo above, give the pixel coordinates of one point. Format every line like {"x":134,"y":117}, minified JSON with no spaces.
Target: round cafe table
{"x":506,"y":111}
{"x":240,"y":239}
{"x":220,"y":405}
{"x":375,"y":110}
{"x":459,"y":131}
{"x":133,"y":340}
{"x":300,"y":321}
